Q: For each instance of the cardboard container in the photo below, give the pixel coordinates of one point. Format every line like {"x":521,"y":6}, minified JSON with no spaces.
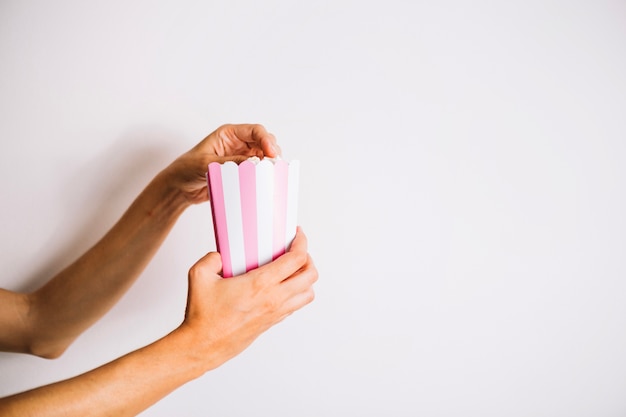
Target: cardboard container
{"x":254,"y":207}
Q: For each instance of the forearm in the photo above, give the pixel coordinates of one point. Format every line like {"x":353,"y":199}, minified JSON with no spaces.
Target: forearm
{"x":123,"y":387}
{"x":79,"y":295}
{"x":48,"y":320}
{"x":223,"y":317}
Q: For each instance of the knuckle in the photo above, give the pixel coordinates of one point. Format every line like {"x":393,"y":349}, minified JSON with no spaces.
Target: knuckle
{"x":299,"y":258}
{"x":259,"y":282}
{"x":255,"y":287}
{"x":196,"y":271}
{"x":309,"y":296}
{"x":310,"y":272}
{"x":272,"y":305}
{"x":205,"y":265}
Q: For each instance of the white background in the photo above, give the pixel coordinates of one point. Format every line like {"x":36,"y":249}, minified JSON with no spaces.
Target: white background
{"x":463,"y":190}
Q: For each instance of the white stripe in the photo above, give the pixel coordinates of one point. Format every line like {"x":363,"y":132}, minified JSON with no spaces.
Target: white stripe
{"x":234,"y":222}
{"x":293,"y":179}
{"x":265,"y":209}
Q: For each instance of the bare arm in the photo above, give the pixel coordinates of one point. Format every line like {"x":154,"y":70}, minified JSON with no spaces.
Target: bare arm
{"x":46,"y":322}
{"x":223,"y":317}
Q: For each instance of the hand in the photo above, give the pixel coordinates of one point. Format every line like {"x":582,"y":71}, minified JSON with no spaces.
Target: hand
{"x":228,"y":143}
{"x":225,"y":315}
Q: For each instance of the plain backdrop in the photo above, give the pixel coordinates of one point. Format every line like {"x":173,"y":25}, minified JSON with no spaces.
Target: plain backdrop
{"x":463,"y":187}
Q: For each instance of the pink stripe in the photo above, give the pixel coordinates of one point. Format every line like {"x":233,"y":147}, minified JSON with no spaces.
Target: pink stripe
{"x":247,"y":187}
{"x":281,"y":170}
{"x":216,"y":192}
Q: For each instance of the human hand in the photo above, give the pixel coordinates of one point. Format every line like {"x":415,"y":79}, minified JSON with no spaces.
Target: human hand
{"x":225,"y":315}
{"x":187,"y":173}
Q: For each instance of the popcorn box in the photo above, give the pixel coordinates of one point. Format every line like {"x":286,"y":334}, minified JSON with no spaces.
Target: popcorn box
{"x":254,"y":206}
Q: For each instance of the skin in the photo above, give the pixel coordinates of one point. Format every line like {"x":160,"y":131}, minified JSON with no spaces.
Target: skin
{"x":223,"y":316}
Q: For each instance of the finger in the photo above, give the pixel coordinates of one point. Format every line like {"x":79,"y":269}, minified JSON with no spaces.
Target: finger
{"x":278,"y":150}
{"x":300,"y":242}
{"x":298,"y":301}
{"x":256,"y":136}
{"x":234,"y":158}
{"x":269,"y":147}
{"x":286,"y":265}
{"x":303,"y":279}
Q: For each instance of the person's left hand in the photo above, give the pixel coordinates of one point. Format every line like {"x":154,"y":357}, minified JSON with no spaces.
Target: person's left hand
{"x":224,"y":316}
{"x":227,"y":143}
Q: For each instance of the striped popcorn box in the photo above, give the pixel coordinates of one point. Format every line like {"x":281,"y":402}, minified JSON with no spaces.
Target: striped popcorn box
{"x":254,"y":207}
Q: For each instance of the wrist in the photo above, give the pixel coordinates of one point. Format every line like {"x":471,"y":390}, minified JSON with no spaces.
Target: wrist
{"x":198,"y":357}
{"x":170,"y":198}
{"x":186,"y":178}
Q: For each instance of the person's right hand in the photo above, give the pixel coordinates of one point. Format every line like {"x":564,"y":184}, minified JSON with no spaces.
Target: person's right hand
{"x":225,"y":315}
{"x":232,"y":142}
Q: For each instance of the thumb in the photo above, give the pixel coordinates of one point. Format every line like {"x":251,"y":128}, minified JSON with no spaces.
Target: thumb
{"x":209,"y":265}
{"x":239,"y":158}
{"x":234,"y":158}
{"x":202,"y":275}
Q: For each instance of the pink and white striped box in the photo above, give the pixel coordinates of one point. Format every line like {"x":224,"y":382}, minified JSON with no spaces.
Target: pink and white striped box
{"x":254,"y":207}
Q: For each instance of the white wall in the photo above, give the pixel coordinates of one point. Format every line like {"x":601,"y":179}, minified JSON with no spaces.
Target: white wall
{"x":463,"y":190}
